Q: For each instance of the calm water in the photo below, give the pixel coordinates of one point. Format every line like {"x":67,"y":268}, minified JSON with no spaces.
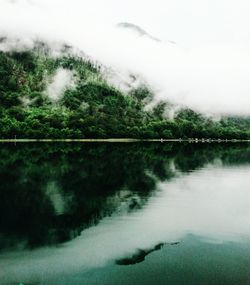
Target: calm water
{"x":124,"y":214}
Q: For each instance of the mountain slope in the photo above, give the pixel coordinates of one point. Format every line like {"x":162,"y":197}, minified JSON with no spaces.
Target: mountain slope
{"x":67,"y":97}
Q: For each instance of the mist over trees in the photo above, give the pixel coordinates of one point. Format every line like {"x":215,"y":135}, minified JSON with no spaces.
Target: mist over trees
{"x":91,"y":108}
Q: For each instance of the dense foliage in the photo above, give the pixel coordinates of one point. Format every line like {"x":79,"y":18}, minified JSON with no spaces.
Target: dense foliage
{"x":91,"y":108}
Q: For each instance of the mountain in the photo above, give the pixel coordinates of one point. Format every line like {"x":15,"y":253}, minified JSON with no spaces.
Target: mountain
{"x":67,"y":96}
{"x":139,"y":31}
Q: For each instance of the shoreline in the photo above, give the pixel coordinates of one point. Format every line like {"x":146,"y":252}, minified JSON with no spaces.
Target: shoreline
{"x":124,"y":140}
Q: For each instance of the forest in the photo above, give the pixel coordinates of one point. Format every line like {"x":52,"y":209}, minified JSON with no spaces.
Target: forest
{"x":91,"y":108}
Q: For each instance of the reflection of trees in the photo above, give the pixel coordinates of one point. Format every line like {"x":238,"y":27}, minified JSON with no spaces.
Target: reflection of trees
{"x":194,"y":156}
{"x":89,"y":180}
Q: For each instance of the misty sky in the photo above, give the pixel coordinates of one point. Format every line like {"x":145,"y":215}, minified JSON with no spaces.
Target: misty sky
{"x":188,"y":22}
{"x":208,"y":68}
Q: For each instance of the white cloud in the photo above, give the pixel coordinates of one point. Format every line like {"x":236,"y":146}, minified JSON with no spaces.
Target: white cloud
{"x":62,"y":80}
{"x":208,"y":70}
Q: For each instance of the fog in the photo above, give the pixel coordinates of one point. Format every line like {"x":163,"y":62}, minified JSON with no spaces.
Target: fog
{"x":206,"y":68}
{"x":62,"y":80}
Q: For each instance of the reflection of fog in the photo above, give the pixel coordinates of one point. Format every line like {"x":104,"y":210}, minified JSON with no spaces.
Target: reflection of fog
{"x":212,"y":203}
{"x":55,"y":196}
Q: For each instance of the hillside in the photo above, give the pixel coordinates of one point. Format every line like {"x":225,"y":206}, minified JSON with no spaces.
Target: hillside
{"x":42,"y":96}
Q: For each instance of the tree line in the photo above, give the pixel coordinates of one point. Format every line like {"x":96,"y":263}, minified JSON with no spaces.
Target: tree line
{"x":92,"y":108}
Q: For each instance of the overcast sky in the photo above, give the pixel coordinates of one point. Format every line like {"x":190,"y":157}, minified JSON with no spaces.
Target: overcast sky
{"x":208,"y":69}
{"x":188,"y":22}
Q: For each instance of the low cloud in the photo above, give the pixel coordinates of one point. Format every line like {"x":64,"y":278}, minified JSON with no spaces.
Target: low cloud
{"x":62,"y":80}
{"x":213,"y":79}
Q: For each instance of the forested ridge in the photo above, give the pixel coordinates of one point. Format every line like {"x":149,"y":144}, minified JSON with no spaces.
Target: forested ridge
{"x":90,"y":107}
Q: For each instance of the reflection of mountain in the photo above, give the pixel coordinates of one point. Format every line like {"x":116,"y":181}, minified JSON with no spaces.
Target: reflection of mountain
{"x":55,"y":191}
{"x":139,"y":256}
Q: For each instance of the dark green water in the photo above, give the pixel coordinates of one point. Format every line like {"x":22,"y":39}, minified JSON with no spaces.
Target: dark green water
{"x":128,"y":213}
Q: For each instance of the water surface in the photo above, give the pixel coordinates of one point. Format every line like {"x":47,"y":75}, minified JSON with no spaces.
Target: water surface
{"x":128,"y":213}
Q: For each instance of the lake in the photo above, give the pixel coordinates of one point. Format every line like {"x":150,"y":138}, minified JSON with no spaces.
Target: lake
{"x":124,"y":213}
